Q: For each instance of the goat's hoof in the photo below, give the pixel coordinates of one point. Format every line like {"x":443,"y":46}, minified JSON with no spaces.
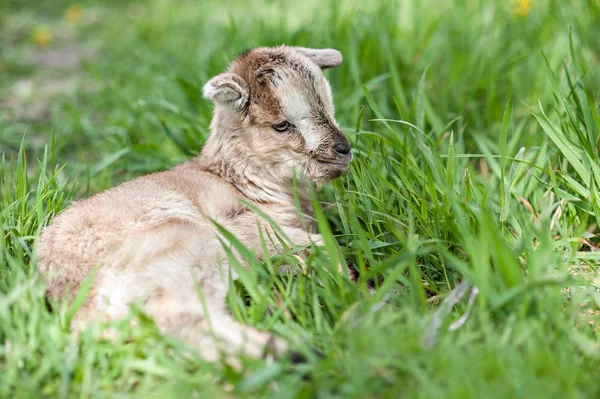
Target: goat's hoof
{"x":297,"y":358}
{"x":299,"y":363}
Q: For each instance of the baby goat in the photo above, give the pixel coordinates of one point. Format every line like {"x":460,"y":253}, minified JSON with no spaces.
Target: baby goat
{"x":154,"y":240}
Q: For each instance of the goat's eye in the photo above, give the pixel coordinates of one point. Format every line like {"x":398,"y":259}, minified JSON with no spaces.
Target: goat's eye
{"x":282,"y":126}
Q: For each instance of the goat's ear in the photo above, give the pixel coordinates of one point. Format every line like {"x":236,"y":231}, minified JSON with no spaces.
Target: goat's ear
{"x":228,"y":89}
{"x":324,"y":58}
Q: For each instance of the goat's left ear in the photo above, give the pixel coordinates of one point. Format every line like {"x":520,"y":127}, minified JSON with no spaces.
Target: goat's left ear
{"x":227,"y":88}
{"x":324,"y":58}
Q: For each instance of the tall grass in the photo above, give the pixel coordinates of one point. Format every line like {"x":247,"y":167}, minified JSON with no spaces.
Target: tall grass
{"x":472,"y":205}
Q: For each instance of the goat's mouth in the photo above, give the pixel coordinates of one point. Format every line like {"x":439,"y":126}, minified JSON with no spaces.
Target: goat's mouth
{"x":335,"y":163}
{"x":332,"y":168}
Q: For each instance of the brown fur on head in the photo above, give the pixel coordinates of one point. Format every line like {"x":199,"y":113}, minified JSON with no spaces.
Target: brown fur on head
{"x":277,"y":104}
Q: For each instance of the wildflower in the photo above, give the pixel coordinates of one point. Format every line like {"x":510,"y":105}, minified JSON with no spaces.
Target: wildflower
{"x":42,"y":37}
{"x":74,"y":13}
{"x":523,"y":7}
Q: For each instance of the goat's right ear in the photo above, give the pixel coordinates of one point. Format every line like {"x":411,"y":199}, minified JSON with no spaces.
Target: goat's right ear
{"x":227,"y":88}
{"x":323,"y":57}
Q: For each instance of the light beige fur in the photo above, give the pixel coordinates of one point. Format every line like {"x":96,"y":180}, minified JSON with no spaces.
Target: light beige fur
{"x":153,"y":239}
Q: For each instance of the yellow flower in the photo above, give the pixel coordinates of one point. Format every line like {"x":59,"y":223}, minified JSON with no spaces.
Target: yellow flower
{"x":42,"y":37}
{"x":523,"y":7}
{"x":74,"y":13}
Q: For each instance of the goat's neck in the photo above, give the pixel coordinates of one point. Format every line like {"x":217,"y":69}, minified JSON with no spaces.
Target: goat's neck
{"x":228,"y":157}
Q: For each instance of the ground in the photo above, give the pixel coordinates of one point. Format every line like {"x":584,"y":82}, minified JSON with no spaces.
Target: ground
{"x":472,"y":204}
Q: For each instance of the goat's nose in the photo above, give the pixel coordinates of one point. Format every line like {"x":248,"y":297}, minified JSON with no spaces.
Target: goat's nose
{"x":342,"y":148}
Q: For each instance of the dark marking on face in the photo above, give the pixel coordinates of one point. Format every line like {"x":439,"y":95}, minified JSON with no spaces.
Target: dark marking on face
{"x":263,"y":70}
{"x":265,"y":75}
{"x":258,"y":70}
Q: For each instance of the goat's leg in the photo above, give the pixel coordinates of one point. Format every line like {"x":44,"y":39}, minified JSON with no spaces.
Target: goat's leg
{"x":205,"y":325}
{"x":219,"y":334}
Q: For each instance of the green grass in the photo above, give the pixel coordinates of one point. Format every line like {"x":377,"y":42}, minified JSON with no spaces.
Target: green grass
{"x":475,"y":130}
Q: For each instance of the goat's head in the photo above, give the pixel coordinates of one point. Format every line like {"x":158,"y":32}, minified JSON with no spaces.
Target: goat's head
{"x":277,"y":102}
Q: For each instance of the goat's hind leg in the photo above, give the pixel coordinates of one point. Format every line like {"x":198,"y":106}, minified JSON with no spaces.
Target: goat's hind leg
{"x":206,"y":326}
